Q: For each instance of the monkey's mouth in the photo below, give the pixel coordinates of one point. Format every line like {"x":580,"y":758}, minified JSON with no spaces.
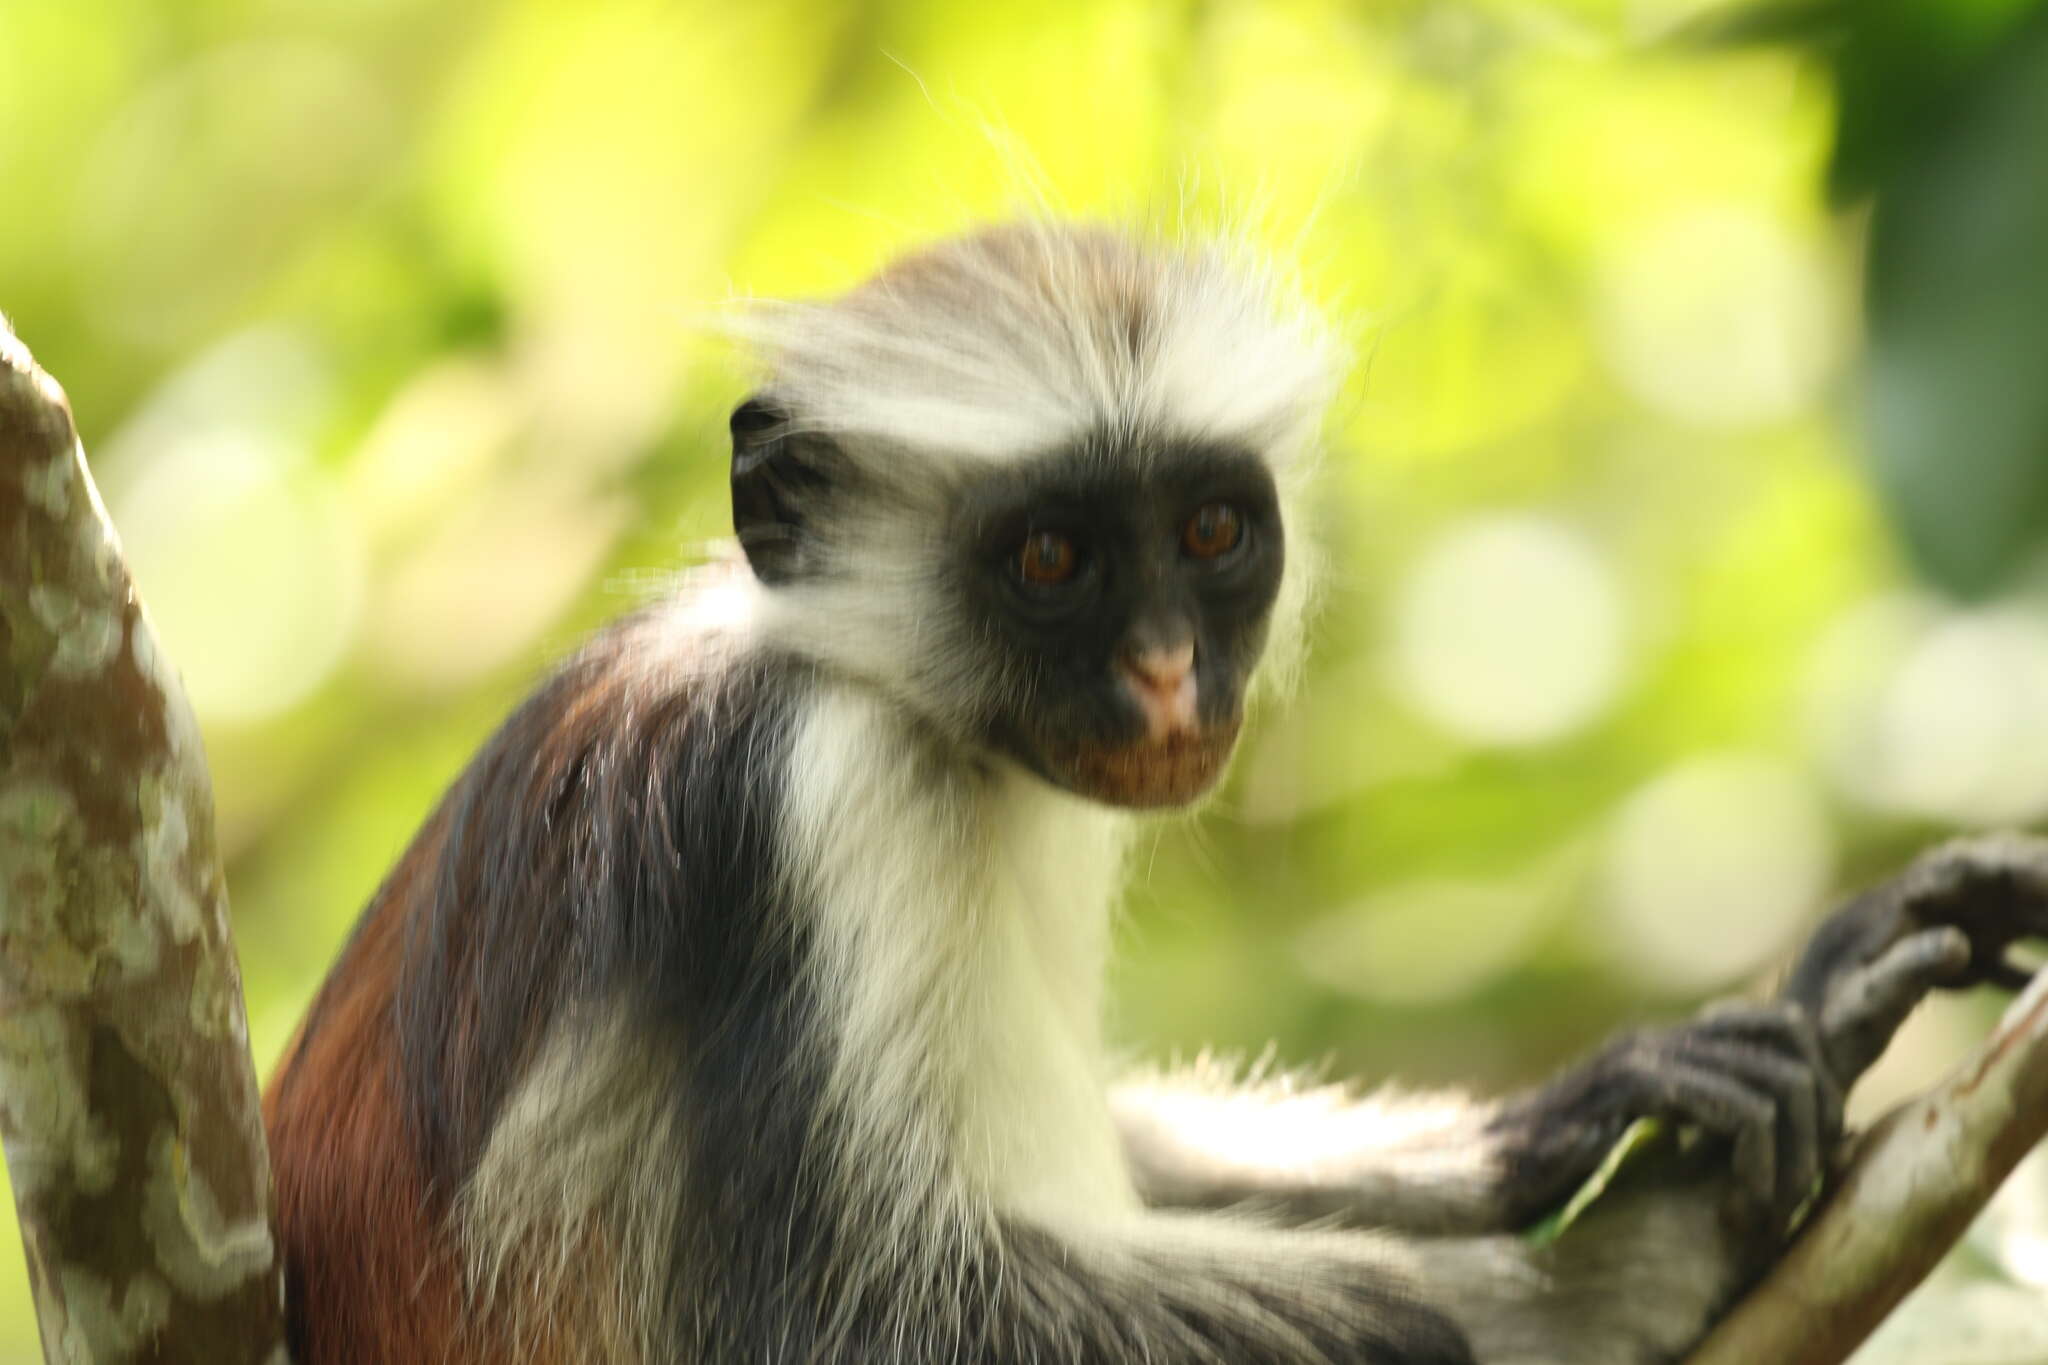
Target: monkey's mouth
{"x":1147,"y":773}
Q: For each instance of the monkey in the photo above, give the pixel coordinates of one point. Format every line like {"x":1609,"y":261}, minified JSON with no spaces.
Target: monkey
{"x":741,"y":1001}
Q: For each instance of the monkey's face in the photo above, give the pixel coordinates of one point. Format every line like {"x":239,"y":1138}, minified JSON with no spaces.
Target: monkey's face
{"x":1094,"y":612}
{"x":1118,"y":602}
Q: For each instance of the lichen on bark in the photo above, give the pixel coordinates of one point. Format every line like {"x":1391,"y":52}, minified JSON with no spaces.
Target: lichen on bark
{"x":128,"y":1103}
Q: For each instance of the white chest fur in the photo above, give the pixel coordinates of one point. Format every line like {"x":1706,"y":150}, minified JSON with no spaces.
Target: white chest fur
{"x":962,"y":929}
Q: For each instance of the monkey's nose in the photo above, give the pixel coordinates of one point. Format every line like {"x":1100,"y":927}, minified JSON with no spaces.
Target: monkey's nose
{"x":1163,"y":682}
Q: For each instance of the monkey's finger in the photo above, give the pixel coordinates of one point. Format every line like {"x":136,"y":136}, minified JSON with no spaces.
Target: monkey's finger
{"x":1847,"y":940}
{"x":1992,"y":882}
{"x":1682,"y":1091}
{"x":1785,"y":1029}
{"x":1799,"y":1140}
{"x":1866,"y":1007}
{"x":2021,"y":857}
{"x":1889,"y":988}
{"x":2009,"y":975}
{"x":1994,"y":887}
{"x":2019,"y":860}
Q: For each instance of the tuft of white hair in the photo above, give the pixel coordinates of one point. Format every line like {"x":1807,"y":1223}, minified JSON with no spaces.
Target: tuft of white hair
{"x":1021,"y":338}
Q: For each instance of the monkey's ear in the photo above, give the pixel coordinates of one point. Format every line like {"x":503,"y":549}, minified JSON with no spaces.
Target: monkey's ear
{"x":776,"y":484}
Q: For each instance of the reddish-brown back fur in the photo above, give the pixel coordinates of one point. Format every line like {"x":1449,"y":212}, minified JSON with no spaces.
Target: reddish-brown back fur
{"x":371,"y":1272}
{"x":384,"y":1102}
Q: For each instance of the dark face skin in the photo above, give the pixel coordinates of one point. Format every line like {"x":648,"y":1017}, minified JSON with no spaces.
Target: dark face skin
{"x":1127,"y":606}
{"x":1117,"y":599}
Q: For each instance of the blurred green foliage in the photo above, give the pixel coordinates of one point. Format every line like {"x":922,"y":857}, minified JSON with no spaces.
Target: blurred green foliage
{"x":1942,"y":114}
{"x":387,"y":326}
{"x":1958,"y":299}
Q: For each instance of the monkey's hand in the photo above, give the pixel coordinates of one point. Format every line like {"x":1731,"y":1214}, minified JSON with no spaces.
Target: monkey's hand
{"x":1752,"y":1079}
{"x":1768,"y":1081}
{"x":1949,"y":920}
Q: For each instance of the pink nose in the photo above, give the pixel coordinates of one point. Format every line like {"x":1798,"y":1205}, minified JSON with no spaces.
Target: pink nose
{"x":1163,"y":681}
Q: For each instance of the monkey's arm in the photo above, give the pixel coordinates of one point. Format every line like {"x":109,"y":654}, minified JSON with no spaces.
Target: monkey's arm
{"x":1754,"y":1077}
{"x":1205,"y":1137}
{"x":1656,"y":1257}
{"x":1766,"y":1079}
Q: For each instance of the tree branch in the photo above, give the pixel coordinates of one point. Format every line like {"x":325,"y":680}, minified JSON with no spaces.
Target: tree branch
{"x":128,"y":1103}
{"x":1914,"y":1184}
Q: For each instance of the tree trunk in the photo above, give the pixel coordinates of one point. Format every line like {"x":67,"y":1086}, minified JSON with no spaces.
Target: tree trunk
{"x":128,"y":1101}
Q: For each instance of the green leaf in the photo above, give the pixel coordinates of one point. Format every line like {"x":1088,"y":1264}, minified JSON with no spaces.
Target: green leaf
{"x":1637,"y":1137}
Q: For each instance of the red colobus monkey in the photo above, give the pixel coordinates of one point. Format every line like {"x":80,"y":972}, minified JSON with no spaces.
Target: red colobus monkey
{"x":739,"y":1004}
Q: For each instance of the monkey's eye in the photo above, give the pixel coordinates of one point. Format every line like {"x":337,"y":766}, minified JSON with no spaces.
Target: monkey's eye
{"x":1046,"y":559}
{"x":1213,"y":531}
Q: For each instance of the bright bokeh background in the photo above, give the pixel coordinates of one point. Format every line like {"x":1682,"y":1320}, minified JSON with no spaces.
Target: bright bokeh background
{"x":387,"y":326}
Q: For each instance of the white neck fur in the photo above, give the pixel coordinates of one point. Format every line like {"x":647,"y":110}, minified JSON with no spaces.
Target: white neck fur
{"x":961,"y":940}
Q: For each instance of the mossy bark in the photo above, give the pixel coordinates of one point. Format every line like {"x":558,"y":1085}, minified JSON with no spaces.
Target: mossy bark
{"x":128,"y":1102}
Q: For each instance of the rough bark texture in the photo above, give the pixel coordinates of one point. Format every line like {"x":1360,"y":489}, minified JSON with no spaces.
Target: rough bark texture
{"x":127,"y":1099}
{"x":1914,"y":1185}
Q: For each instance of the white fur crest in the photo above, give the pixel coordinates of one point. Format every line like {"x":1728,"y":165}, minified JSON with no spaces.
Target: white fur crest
{"x":1018,"y":339}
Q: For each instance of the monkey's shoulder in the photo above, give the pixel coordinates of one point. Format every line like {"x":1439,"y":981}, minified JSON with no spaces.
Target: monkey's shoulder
{"x":610,"y":831}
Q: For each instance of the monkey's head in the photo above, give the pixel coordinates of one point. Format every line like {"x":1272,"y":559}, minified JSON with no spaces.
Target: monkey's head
{"x":1034,"y":484}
